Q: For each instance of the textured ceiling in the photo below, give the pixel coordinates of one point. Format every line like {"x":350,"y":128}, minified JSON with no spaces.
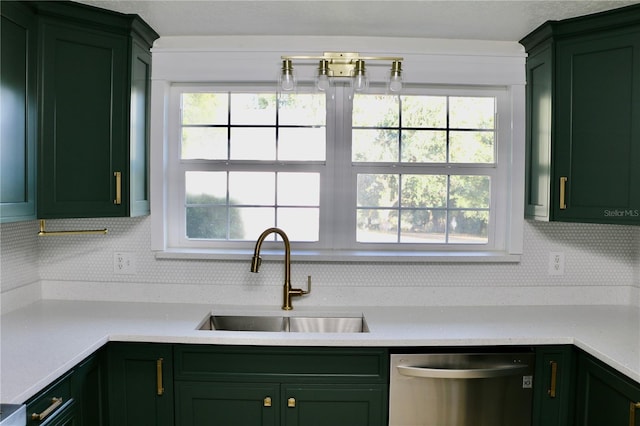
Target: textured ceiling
{"x":477,"y":19}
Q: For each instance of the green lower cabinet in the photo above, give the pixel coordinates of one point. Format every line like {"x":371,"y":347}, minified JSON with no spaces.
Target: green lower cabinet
{"x":554,"y":386}
{"x":54,"y":406}
{"x":604,"y":396}
{"x":140,"y":384}
{"x":287,"y":386}
{"x":227,"y":404}
{"x":330,"y":405}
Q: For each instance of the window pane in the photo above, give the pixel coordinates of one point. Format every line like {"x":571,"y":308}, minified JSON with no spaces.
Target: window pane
{"x":300,"y":224}
{"x":424,"y":111}
{"x":252,"y":188}
{"x":424,"y":146}
{"x":206,"y":187}
{"x":251,"y":222}
{"x":375,"y":111}
{"x":375,"y":145}
{"x":377,"y":190}
{"x":471,"y":147}
{"x":298,"y":189}
{"x":302,"y":109}
{"x":423,"y":226}
{"x":205,"y":108}
{"x":470,"y":192}
{"x":205,"y":143}
{"x":471,"y":113}
{"x":253,"y":108}
{"x":207,"y":222}
{"x":253,"y":144}
{"x":302,"y":144}
{"x":377,"y":226}
{"x":468,"y":227}
{"x":424,"y":191}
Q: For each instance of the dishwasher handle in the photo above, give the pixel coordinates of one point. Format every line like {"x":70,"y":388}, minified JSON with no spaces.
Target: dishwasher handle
{"x":463,"y":373}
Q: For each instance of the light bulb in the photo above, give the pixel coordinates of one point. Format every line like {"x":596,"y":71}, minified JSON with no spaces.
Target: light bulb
{"x":395,"y":84}
{"x":322,"y":83}
{"x":287,"y":82}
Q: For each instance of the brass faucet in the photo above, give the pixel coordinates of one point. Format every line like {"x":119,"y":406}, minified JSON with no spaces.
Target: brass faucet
{"x":257,"y":260}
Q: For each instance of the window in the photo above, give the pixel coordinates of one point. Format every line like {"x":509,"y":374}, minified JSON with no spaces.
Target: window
{"x":417,"y":173}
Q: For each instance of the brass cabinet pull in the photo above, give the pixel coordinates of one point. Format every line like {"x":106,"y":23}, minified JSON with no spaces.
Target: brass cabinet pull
{"x":118,"y":176}
{"x":266,"y":402}
{"x":633,"y":406}
{"x":160,"y":388}
{"x":554,"y":378}
{"x":291,"y":403}
{"x":563,"y":184}
{"x":55,"y":403}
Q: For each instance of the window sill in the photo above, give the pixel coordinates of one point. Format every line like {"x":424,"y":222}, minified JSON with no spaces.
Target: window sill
{"x":345,"y":256}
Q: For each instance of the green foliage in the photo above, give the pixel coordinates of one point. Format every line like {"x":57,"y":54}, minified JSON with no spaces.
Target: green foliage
{"x":209,"y":218}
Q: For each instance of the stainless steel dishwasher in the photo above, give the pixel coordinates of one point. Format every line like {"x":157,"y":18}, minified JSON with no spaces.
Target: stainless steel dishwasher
{"x":461,"y":389}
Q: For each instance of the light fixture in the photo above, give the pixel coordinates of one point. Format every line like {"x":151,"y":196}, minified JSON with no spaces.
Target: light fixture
{"x":287,"y":77}
{"x":341,"y":65}
{"x":395,"y":79}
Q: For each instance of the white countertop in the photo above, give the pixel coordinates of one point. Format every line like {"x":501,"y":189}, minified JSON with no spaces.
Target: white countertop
{"x":42,"y":341}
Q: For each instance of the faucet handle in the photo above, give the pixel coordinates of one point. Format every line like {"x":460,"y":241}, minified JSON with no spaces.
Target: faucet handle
{"x":308,"y":285}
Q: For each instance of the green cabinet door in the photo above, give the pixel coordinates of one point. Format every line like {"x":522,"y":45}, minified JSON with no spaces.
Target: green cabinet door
{"x":82,"y":122}
{"x":140,"y":384}
{"x":598,"y":128}
{"x":604,"y":396}
{"x":18,"y":105}
{"x":553,"y":386}
{"x":89,"y":387}
{"x":227,"y":404}
{"x":539,"y":108}
{"x":334,"y":404}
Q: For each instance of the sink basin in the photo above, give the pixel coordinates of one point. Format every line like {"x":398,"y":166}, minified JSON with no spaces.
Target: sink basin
{"x":294,"y":324}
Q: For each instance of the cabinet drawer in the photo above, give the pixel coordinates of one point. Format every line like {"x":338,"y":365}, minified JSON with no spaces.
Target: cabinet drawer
{"x":51,"y":403}
{"x":195,"y":362}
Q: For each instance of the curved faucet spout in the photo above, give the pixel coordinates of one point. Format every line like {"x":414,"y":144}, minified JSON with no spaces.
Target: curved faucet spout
{"x":256,"y":261}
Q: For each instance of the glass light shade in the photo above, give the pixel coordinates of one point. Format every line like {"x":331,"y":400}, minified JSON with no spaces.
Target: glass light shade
{"x":287,"y":76}
{"x":395,"y":79}
{"x":322,"y":79}
{"x":360,"y":80}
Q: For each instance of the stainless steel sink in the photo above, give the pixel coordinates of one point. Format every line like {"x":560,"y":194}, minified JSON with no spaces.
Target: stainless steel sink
{"x":294,"y":324}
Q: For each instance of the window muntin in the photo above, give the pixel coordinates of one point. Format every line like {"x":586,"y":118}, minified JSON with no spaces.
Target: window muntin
{"x":422,"y":149}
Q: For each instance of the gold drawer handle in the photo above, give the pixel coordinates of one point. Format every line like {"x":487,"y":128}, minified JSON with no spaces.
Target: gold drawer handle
{"x":291,"y":403}
{"x":160,"y":387}
{"x":563,"y":185}
{"x":267,"y":401}
{"x":55,"y":403}
{"x":554,"y":381}
{"x":633,"y":406}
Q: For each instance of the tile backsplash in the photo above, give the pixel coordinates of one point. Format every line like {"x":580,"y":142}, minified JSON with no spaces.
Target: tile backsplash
{"x":598,"y":258}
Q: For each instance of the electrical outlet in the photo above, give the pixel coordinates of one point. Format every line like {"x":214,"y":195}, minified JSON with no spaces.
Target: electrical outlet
{"x":124,"y":263}
{"x":556,"y":263}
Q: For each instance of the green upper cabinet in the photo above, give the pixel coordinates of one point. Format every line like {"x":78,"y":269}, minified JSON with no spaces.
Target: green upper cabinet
{"x":583,"y":119}
{"x":94,"y":91}
{"x":18,"y":104}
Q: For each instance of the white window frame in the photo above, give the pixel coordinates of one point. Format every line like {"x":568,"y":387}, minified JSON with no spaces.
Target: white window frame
{"x":484,"y":71}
